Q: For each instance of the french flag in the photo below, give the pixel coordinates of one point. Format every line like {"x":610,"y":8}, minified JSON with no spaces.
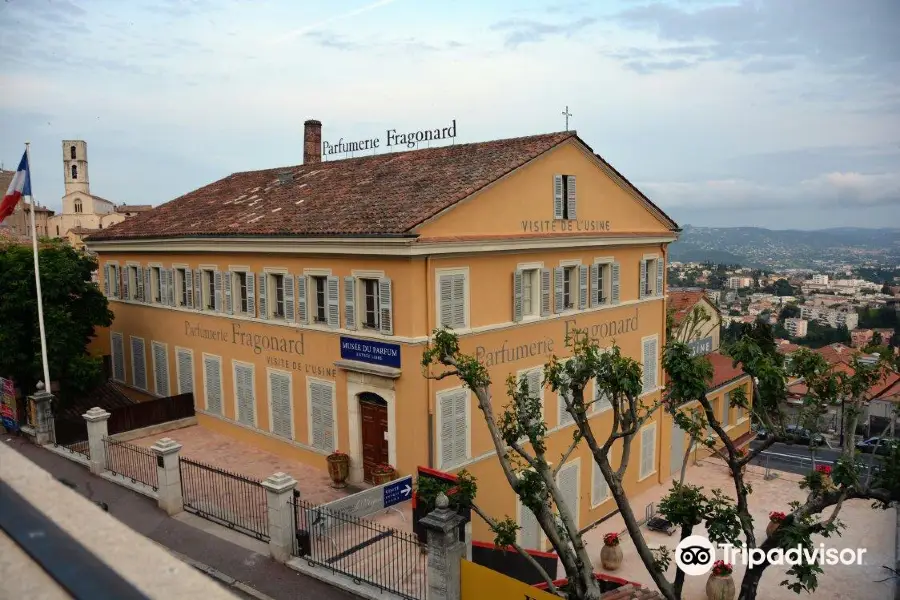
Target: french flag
{"x":18,"y":187}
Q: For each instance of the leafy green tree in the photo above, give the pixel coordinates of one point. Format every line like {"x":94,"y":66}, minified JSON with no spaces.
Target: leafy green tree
{"x":73,"y":308}
{"x":789,"y":311}
{"x":780,"y":288}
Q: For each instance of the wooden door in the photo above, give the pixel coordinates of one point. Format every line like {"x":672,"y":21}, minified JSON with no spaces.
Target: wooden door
{"x":374,"y":432}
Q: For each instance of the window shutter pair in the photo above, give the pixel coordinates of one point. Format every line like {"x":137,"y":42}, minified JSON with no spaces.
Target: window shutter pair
{"x":302,"y":304}
{"x":595,"y":287}
{"x":280,"y":390}
{"x":148,"y":285}
{"x":614,"y":292}
{"x":517,"y":295}
{"x":546,"y":306}
{"x":582,"y":286}
{"x":454,"y":430}
{"x":185,"y":371}
{"x":228,"y":276}
{"x":660,"y":272}
{"x":558,"y":273}
{"x":212,"y":369}
{"x":138,"y":363}
{"x":246,"y":398}
{"x":322,"y":416}
{"x":193,"y":300}
{"x":570,"y":197}
{"x":643,"y":279}
{"x":118,"y":356}
{"x":650,"y":364}
{"x":453,"y":300}
{"x":333,"y":301}
{"x":251,"y":294}
{"x":217,"y":283}
{"x":263,"y":307}
{"x":161,"y":369}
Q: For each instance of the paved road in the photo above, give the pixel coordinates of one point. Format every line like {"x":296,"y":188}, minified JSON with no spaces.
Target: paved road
{"x":797,"y":458}
{"x":256,"y":570}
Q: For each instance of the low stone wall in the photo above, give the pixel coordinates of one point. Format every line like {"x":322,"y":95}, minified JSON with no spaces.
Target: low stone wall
{"x":153,"y":430}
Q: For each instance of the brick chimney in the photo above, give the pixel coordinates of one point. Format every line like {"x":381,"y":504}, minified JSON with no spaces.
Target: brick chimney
{"x":312,"y":142}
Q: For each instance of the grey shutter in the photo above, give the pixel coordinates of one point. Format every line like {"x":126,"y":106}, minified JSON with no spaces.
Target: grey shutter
{"x":599,"y":488}
{"x":545,"y":292}
{"x":282,"y":419}
{"x":160,"y":369}
{"x":117,"y":281}
{"x":614,"y":268}
{"x":676,"y":452}
{"x":582,"y":287}
{"x":565,"y":417}
{"x":198,"y":290}
{"x":289,"y":298}
{"x":322,"y":408}
{"x":163,"y":286}
{"x":446,"y":292}
{"x":459,"y":301}
{"x":726,"y":409}
{"x":386,"y":306}
{"x":447,"y":447}
{"x":213,"y":372}
{"x":243,"y":383}
{"x":185,"y":372}
{"x":106,"y":279}
{"x":461,"y":429}
{"x":302,"y":315}
{"x":333,"y":294}
{"x":229,"y":305}
{"x":118,"y":357}
{"x":139,"y":284}
{"x":192,"y":300}
{"x":125,"y":277}
{"x":557,"y":196}
{"x":251,"y":294}
{"x":148,"y":285}
{"x":217,"y":281}
{"x":263,"y":309}
{"x":648,"y":451}
{"x":534,"y":383}
{"x":567,"y":480}
{"x":571,"y":197}
{"x":530,"y":538}
{"x":643,"y":281}
{"x":350,"y":302}
{"x":649,"y":356}
{"x":558,"y":289}
{"x":595,"y":279}
{"x":172,"y":287}
{"x":517,"y":296}
{"x":138,"y":363}
{"x":660,"y":269}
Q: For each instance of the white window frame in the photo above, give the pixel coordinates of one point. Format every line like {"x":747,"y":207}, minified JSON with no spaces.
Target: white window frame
{"x":438,"y":452}
{"x":233,"y":272}
{"x":536,"y":268}
{"x":607,"y":263}
{"x":270,"y":293}
{"x":467,"y":298}
{"x":178,"y":350}
{"x":252,"y":366}
{"x":133,"y":370}
{"x":334,"y":415}
{"x":651,"y":281}
{"x":156,"y":284}
{"x":641,"y":475}
{"x":180,"y":292}
{"x":132,"y":285}
{"x":113,"y":292}
{"x":153,"y":344}
{"x":204,"y":287}
{"x":573,"y":463}
{"x":218,"y":358}
{"x":360,"y":297}
{"x":595,"y":472}
{"x":571,"y":263}
{"x":655,"y":387}
{"x":269,"y":372}
{"x":312,"y":308}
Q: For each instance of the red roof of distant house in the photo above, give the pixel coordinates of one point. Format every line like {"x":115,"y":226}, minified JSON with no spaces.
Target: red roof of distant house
{"x":784,"y":347}
{"x":723,"y":370}
{"x":681,"y":303}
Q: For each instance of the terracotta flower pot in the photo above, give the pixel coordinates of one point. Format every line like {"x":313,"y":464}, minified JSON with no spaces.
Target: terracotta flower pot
{"x":720,"y":587}
{"x":379,"y":478}
{"x":338,"y":469}
{"x":771,"y":527}
{"x":611,"y":557}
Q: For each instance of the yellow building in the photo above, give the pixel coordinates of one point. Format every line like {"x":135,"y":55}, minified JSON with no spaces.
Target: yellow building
{"x":296,"y":302}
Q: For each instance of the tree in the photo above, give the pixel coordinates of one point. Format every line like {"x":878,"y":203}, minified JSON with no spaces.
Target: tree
{"x":789,"y":311}
{"x":519,"y":437}
{"x":73,"y":308}
{"x":780,"y":288}
{"x":876,"y":339}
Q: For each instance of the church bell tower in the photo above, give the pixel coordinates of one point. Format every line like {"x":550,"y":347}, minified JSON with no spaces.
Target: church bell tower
{"x":75,"y":165}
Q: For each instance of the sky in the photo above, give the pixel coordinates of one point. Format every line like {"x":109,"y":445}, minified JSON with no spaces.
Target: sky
{"x":770,"y":113}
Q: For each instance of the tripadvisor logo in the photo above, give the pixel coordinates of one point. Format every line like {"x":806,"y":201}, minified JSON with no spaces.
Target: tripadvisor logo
{"x":695,"y":555}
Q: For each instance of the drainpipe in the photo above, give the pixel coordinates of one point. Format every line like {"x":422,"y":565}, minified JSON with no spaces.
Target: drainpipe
{"x":429,"y":307}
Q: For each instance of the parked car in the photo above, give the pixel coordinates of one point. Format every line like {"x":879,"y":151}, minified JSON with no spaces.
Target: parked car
{"x":876,"y":446}
{"x":800,"y":435}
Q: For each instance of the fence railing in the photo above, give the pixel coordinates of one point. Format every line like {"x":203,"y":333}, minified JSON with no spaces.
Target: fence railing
{"x":81,"y":447}
{"x":226,"y":498}
{"x":152,"y":412}
{"x":131,"y":461}
{"x":366,"y":551}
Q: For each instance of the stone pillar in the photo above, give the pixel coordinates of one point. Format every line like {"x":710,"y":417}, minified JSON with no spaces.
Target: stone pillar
{"x":445,"y":551}
{"x":168,"y":475}
{"x":43,"y":417}
{"x":279,"y":491}
{"x":97,"y":430}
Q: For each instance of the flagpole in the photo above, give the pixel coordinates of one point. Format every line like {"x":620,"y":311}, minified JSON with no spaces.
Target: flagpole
{"x":37,"y":275}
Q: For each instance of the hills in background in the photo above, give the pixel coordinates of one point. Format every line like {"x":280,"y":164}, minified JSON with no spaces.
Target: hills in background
{"x":757,"y":247}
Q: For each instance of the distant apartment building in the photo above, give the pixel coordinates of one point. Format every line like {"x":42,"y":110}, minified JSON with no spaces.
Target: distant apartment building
{"x":860,"y":338}
{"x":820,"y":279}
{"x":714,"y":295}
{"x":831,"y":317}
{"x":796,"y":327}
{"x":736,"y":283}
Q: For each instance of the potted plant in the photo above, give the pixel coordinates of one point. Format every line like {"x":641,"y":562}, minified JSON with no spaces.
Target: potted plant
{"x":383,"y":473}
{"x":825,"y":473}
{"x":338,"y":468}
{"x":720,"y":585}
{"x":611,"y":553}
{"x":776,"y":518}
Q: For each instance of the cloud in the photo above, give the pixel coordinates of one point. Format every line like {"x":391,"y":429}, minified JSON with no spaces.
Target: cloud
{"x":330,"y":20}
{"x":521,"y":31}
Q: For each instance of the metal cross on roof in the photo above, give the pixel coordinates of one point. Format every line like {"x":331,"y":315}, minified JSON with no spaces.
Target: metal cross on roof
{"x":567,"y":114}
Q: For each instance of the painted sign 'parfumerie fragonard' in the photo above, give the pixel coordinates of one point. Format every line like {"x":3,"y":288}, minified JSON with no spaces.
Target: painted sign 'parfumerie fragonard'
{"x":237,"y":335}
{"x":408,"y":139}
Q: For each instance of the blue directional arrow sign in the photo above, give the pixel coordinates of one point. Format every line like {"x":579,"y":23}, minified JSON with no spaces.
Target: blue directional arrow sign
{"x":398,"y":491}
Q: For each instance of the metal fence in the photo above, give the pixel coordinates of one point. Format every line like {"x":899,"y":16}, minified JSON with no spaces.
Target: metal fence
{"x":366,"y":551}
{"x":129,"y":460}
{"x":81,"y":447}
{"x":229,"y":499}
{"x":793,"y":463}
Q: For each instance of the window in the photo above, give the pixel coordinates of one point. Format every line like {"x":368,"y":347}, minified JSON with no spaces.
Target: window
{"x":452,"y":299}
{"x":527,"y":291}
{"x":134,"y":283}
{"x":118,"y":356}
{"x":599,"y":487}
{"x":181,"y":290}
{"x":74,"y":171}
{"x":533,"y":378}
{"x":78,"y":207}
{"x":650,"y":364}
{"x":57,"y":231}
{"x":322,"y":429}
{"x":648,"y":451}
{"x":280,"y":403}
{"x":601,"y":284}
{"x":208,"y":279}
{"x":370,"y":304}
{"x":726,"y":410}
{"x":320,"y":291}
{"x":530,"y":529}
{"x":138,"y":363}
{"x":651,"y":283}
{"x":565,"y":417}
{"x":567,"y":480}
{"x":161,"y":369}
{"x":241,"y":293}
{"x":156,"y":285}
{"x":212,"y":383}
{"x":184,"y":365}
{"x":244,"y":394}
{"x":72,"y":152}
{"x":276,"y":295}
{"x":112,"y":282}
{"x":564,"y":197}
{"x":569,"y":274}
{"x":453,"y":425}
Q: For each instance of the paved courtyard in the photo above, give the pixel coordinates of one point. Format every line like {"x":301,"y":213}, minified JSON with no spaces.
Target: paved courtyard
{"x":871,"y":529}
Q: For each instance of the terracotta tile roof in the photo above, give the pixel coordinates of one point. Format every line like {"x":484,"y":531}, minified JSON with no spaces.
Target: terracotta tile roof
{"x":835,"y":353}
{"x":382,"y":195}
{"x":681,"y":302}
{"x":786,"y":347}
{"x":39,"y":209}
{"x":723,"y":371}
{"x":133,"y":208}
{"x":631,"y":592}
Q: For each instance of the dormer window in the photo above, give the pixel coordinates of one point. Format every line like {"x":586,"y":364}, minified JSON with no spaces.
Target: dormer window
{"x":74,"y":171}
{"x":72,"y":152}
